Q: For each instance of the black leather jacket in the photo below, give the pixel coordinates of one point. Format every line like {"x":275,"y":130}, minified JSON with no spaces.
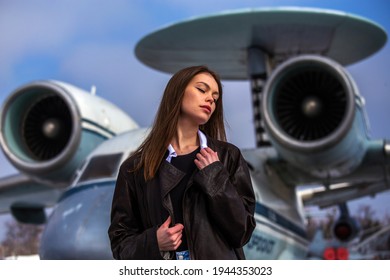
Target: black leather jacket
{"x":218,"y":208}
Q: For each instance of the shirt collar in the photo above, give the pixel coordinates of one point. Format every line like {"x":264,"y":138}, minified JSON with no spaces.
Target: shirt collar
{"x":203,"y":144}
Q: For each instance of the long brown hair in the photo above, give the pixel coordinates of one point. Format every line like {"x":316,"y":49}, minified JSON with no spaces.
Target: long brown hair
{"x":152,"y":150}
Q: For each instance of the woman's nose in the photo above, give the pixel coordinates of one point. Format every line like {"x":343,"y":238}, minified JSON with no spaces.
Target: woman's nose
{"x":209,"y":98}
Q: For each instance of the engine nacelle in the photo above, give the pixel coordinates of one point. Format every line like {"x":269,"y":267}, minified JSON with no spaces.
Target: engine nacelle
{"x":49,"y":127}
{"x":314,"y":116}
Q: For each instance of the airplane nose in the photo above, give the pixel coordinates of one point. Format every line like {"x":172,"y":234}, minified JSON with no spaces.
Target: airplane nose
{"x":77,"y":228}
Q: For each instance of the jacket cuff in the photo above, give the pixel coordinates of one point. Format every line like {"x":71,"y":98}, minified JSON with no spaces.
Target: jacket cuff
{"x":211,"y":177}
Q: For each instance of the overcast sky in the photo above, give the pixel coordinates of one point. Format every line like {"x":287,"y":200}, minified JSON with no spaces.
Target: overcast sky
{"x":91,"y":42}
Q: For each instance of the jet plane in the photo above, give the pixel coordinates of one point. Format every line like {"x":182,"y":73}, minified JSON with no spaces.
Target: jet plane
{"x":309,"y":120}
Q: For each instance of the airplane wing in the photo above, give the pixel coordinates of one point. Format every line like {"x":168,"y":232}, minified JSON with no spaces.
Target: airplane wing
{"x":19,"y":188}
{"x":367,"y":179}
{"x":339,"y":193}
{"x":25,"y":198}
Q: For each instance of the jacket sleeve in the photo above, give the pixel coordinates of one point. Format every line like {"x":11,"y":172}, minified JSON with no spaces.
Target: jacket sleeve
{"x":231,"y":198}
{"x":129,"y":240}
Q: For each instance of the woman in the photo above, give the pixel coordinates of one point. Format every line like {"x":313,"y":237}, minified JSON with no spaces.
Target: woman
{"x":185,"y":193}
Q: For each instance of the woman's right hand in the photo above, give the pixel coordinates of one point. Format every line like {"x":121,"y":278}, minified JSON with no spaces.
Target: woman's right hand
{"x":169,"y":238}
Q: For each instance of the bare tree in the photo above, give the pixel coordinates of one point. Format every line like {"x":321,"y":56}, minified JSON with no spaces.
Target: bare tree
{"x":366,"y":218}
{"x":21,"y":239}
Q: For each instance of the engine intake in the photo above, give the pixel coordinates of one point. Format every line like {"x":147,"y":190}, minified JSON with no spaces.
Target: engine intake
{"x":310,"y":105}
{"x":49,"y":127}
{"x":314,"y":117}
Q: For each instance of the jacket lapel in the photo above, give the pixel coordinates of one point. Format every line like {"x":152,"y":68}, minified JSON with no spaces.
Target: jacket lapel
{"x":169,"y":176}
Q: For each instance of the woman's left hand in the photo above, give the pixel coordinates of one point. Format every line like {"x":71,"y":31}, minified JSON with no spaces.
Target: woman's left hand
{"x":205,"y":157}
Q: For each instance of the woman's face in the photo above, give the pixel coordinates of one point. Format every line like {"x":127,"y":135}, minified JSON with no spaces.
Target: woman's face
{"x":199,"y":99}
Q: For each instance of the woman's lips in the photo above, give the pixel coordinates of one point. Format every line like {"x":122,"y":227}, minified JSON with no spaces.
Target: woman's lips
{"x":207,"y":108}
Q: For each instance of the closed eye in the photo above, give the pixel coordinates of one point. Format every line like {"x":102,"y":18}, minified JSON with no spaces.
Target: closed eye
{"x":201,"y":90}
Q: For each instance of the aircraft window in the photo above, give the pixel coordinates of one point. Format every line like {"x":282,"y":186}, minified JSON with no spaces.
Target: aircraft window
{"x":104,"y":166}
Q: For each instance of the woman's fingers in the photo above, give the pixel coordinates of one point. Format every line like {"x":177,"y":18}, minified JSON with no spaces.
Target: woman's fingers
{"x":169,"y":238}
{"x":205,"y":157}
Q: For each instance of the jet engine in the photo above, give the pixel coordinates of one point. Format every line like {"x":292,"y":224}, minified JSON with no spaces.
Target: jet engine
{"x":314,"y":116}
{"x":49,"y":127}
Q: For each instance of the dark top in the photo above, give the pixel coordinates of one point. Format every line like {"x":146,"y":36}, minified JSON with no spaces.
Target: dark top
{"x":186,"y":164}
